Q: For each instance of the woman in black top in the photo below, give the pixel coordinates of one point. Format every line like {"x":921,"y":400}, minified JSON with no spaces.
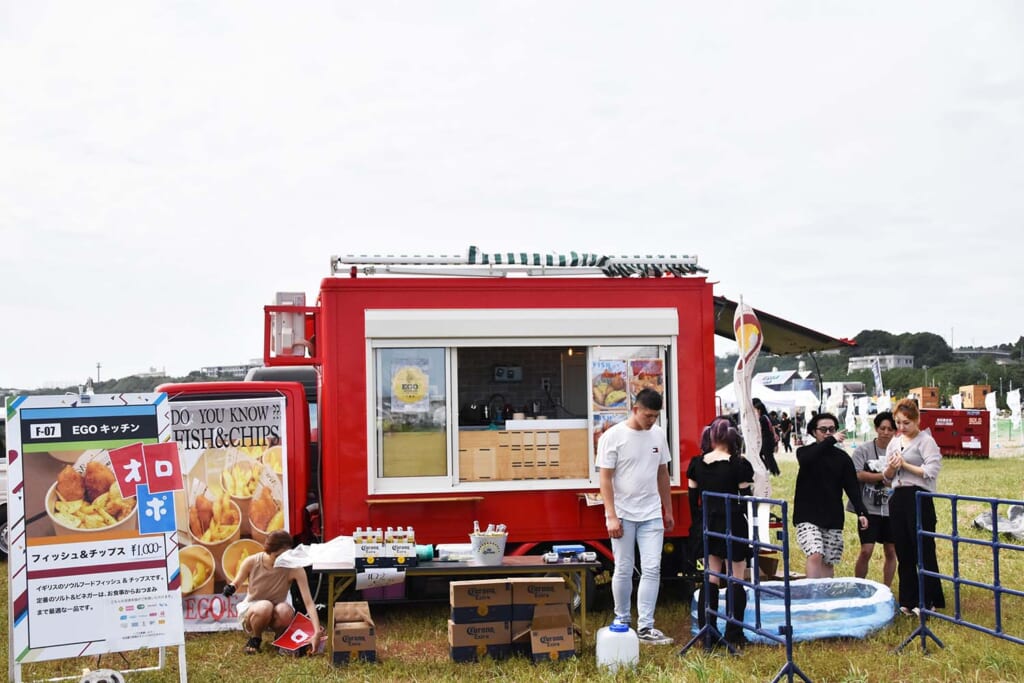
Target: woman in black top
{"x":722,"y":470}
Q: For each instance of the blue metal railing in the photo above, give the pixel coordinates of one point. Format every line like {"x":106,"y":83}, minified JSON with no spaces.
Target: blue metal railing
{"x":709,"y":635}
{"x":998,"y":548}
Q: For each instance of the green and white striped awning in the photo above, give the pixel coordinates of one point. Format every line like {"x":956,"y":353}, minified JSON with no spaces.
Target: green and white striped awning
{"x":499,"y":264}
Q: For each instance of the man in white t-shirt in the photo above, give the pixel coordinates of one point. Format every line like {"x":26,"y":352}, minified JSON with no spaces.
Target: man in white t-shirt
{"x":633,"y":458}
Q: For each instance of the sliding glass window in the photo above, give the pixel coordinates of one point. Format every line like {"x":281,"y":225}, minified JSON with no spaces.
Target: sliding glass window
{"x":412,"y":414}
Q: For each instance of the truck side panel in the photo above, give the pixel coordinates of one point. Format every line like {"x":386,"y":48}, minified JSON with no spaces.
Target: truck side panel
{"x":534,"y":515}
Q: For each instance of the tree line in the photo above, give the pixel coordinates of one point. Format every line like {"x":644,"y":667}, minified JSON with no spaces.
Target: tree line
{"x":934,"y":365}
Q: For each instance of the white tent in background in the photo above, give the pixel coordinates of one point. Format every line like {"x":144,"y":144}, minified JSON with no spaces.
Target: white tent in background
{"x":788,"y":401}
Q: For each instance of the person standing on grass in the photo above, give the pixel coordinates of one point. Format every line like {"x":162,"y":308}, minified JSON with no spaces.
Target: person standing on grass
{"x":265,"y":606}
{"x":722,"y":470}
{"x":786,"y":432}
{"x":768,"y":443}
{"x":913,"y":461}
{"x":869,"y":461}
{"x":825,"y":472}
{"x":633,"y":459}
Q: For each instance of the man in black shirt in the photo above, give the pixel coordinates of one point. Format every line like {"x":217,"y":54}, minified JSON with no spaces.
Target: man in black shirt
{"x":825,"y":472}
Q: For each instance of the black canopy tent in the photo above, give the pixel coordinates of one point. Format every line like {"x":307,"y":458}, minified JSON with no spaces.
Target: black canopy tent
{"x":781,"y":337}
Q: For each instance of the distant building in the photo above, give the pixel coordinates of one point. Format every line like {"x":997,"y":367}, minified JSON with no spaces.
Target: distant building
{"x":785,"y":380}
{"x":228,"y":371}
{"x":776,"y":379}
{"x":889,"y":362}
{"x":995,"y":354}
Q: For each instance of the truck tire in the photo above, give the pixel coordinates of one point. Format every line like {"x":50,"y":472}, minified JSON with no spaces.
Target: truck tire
{"x":588,"y":577}
{"x":591,"y":592}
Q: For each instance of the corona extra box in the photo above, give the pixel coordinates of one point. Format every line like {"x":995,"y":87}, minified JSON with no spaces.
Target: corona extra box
{"x":470,"y":642}
{"x":551,"y":633}
{"x":529,"y":592}
{"x":475,"y":602}
{"x":355,"y":635}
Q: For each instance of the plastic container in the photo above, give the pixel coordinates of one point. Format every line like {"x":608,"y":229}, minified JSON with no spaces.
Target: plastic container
{"x":488,"y":548}
{"x":617,"y":647}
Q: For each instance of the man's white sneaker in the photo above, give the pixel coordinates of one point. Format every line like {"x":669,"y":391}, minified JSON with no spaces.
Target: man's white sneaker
{"x":653,"y":636}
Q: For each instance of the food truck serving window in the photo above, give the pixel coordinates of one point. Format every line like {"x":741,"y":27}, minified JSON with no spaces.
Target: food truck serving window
{"x":464,"y":409}
{"x":411,"y":396}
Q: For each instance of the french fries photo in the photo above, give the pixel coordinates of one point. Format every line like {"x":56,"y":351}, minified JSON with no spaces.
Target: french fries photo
{"x":236,"y":553}
{"x":196,"y":570}
{"x":241,"y":478}
{"x":89,"y":500}
{"x":213,"y":521}
{"x":272,"y":459}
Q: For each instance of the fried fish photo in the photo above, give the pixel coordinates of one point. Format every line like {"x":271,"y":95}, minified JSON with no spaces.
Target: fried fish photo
{"x":86,"y":497}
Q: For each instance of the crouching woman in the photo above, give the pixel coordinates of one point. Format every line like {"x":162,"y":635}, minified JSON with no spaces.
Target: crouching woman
{"x":265,"y":606}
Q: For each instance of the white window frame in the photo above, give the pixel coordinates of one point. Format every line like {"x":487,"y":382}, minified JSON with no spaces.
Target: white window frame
{"x":452,"y":329}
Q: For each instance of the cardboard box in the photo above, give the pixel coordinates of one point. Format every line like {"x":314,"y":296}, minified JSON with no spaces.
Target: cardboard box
{"x":401,"y":554}
{"x":470,"y":642}
{"x":551,"y":633}
{"x":528,"y":592}
{"x":973,"y":396}
{"x":927,"y":397}
{"x":355,"y":634}
{"x":475,"y":602}
{"x":521,"y":636}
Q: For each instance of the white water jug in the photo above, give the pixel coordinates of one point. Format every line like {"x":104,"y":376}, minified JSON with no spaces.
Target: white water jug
{"x":617,"y":647}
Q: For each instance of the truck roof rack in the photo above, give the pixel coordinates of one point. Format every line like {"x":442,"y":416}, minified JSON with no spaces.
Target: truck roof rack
{"x":502,"y":264}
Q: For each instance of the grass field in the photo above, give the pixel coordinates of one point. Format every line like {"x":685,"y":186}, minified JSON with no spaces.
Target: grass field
{"x":412,"y":638}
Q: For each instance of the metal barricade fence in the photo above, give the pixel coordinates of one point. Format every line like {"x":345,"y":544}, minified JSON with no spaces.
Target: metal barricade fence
{"x":709,"y":636}
{"x":956,"y":577}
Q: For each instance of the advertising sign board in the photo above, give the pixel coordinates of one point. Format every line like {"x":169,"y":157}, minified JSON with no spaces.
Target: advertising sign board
{"x":236,"y":492}
{"x":93,"y":562}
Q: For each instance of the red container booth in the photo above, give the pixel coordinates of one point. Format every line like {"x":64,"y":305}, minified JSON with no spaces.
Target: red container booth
{"x":962,"y":433}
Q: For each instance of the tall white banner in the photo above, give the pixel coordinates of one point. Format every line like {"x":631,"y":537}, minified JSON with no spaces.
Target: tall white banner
{"x":1013,"y":401}
{"x":749,"y":339}
{"x":864,"y":420}
{"x":876,"y":372}
{"x":990,"y":406}
{"x":850,"y":424}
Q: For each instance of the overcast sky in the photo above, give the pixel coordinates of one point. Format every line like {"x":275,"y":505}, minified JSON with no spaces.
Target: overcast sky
{"x":166,"y":167}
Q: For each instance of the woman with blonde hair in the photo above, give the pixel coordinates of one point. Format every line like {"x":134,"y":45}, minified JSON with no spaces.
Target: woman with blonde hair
{"x":913,"y":462}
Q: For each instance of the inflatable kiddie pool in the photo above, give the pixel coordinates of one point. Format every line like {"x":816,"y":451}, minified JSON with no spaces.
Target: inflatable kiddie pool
{"x":819,"y":608}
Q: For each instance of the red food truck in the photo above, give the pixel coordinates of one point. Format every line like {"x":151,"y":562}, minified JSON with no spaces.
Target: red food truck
{"x":455,"y":390}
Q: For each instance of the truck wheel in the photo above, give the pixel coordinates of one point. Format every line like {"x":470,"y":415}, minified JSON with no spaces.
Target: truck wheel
{"x":4,"y":538}
{"x":591,"y":592}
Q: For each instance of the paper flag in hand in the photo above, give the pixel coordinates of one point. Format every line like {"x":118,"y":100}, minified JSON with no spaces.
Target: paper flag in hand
{"x":299,"y":632}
